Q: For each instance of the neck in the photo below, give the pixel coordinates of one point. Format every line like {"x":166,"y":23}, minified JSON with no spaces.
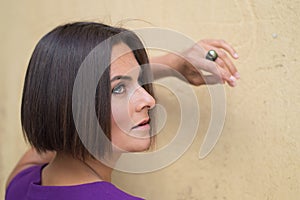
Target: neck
{"x":102,"y":171}
{"x":64,"y":169}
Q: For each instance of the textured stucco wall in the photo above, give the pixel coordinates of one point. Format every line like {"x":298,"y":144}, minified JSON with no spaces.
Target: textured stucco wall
{"x":257,"y":156}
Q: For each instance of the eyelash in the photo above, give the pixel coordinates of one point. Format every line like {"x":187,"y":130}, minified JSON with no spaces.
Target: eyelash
{"x":121,"y":85}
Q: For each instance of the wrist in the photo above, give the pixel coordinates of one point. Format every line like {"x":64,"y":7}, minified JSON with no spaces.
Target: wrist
{"x":175,"y":62}
{"x":167,"y":65}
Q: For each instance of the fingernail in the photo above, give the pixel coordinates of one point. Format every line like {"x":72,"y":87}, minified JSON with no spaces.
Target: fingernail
{"x":235,"y":55}
{"x":232,"y":81}
{"x":237,"y":75}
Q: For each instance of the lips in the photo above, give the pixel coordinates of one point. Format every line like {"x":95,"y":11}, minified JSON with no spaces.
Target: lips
{"x":142,"y":123}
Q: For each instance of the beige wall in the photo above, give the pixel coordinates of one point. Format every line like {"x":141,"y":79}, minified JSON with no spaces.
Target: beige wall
{"x":258,"y":154}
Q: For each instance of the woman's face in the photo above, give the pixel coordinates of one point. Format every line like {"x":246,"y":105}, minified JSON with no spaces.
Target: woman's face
{"x":130,"y":103}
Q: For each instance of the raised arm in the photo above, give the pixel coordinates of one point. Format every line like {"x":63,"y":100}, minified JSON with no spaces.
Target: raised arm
{"x":191,"y":62}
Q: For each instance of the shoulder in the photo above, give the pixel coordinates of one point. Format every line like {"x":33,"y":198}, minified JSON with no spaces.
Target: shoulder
{"x":17,"y":170}
{"x":30,"y":159}
{"x":19,"y":183}
{"x":28,"y":183}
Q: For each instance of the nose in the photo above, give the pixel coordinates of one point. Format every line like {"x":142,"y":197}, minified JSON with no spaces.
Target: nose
{"x":143,"y":100}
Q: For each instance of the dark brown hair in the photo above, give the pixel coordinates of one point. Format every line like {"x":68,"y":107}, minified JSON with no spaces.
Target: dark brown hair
{"x":46,"y":111}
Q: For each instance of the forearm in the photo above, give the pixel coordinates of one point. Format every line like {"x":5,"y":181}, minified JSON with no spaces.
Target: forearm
{"x":166,"y":65}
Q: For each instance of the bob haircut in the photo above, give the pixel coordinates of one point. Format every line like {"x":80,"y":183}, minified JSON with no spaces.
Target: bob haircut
{"x":46,"y":110}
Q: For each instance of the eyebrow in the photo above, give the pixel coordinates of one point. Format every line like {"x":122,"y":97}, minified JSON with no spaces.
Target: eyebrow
{"x":120,"y":77}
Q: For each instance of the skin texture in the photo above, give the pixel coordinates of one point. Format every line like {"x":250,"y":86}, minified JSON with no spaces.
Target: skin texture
{"x":130,"y":102}
{"x":130,"y":105}
{"x":131,"y":108}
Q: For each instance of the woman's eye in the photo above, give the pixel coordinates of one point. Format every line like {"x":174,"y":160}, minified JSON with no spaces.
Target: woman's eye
{"x":119,"y":89}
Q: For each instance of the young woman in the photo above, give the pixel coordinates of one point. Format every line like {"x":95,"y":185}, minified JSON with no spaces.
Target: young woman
{"x":60,"y":165}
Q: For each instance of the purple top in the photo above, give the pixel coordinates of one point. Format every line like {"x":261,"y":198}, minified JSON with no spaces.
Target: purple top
{"x":27,"y":186}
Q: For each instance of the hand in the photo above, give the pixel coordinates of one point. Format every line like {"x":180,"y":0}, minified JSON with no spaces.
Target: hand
{"x":222,"y":69}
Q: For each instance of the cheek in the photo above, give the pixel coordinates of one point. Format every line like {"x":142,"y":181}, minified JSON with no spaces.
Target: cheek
{"x":121,"y":117}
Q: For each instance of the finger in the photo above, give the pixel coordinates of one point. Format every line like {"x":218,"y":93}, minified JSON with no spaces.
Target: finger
{"x":212,"y":79}
{"x":208,"y":66}
{"x":223,"y":45}
{"x":220,"y":75}
{"x":225,"y":62}
{"x":231,"y":80}
{"x":205,"y":79}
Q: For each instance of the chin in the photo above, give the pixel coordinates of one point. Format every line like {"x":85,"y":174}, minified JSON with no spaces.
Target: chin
{"x":141,"y":145}
{"x":131,"y":144}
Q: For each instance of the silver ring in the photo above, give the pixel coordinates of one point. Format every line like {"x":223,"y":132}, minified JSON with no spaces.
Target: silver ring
{"x":211,"y":55}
